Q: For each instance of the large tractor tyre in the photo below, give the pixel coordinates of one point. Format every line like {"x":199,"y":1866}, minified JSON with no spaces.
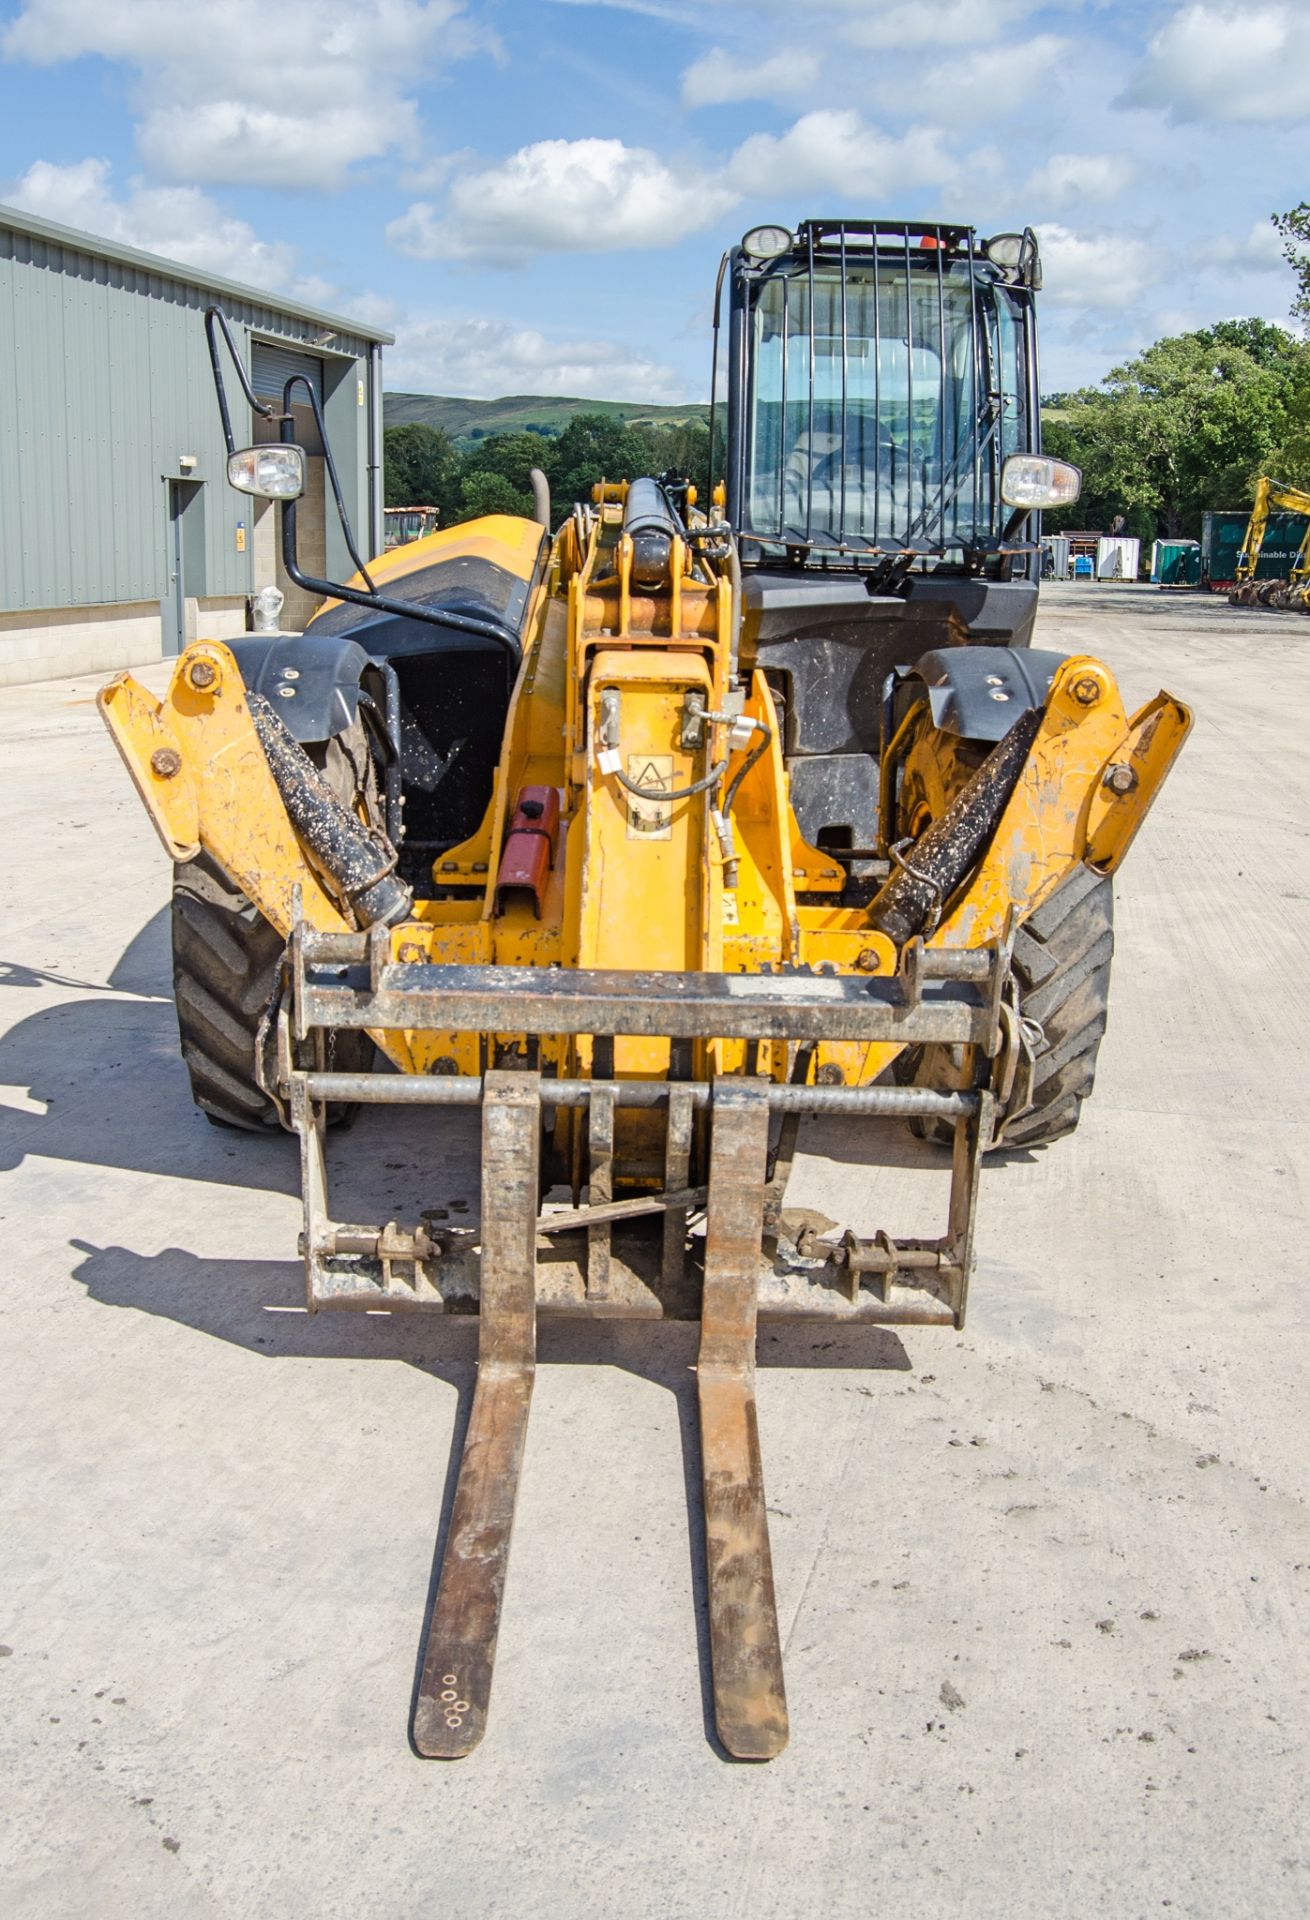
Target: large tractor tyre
{"x":226,"y":960}
{"x":1062,"y":957}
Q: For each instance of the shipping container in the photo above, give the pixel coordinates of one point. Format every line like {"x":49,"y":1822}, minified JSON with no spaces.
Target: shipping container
{"x":1223,"y":535}
{"x":1117,"y":557}
{"x":1176,"y":563}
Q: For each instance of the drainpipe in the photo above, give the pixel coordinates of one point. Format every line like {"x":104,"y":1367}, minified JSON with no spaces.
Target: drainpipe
{"x":376,"y":535}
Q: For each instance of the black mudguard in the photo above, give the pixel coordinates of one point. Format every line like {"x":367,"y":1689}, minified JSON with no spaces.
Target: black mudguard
{"x":979,"y":692}
{"x":311,"y":681}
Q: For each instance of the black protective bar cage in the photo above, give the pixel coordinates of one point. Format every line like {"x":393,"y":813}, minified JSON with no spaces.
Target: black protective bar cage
{"x":941,"y":469}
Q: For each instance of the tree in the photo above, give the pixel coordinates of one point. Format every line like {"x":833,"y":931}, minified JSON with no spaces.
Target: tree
{"x":496,"y":475}
{"x":483,"y":491}
{"x":1294,"y":226}
{"x":597,"y":446}
{"x":491,"y":474}
{"x":420,"y":468}
{"x":512,"y":456}
{"x":1189,"y":424}
{"x":684,"y":447}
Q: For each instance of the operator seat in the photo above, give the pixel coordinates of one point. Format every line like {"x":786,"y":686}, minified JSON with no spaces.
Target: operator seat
{"x":826,"y":488}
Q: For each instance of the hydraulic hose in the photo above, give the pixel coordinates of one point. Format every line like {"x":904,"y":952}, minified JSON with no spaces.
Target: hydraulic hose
{"x":711,"y":779}
{"x":924,"y":879}
{"x":760,"y":748}
{"x":358,"y":861}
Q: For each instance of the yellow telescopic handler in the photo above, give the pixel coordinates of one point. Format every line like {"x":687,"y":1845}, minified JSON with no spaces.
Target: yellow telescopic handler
{"x":648,"y":837}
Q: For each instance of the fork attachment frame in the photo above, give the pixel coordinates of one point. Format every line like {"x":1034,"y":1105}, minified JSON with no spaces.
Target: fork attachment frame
{"x":520,"y":1266}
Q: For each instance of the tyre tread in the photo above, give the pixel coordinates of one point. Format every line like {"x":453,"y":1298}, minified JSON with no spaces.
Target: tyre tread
{"x":225,"y":962}
{"x":226,"y":958}
{"x":1062,"y":958}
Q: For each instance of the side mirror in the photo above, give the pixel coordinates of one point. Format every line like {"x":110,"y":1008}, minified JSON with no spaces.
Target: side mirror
{"x":1030,"y":480}
{"x":1018,"y":257}
{"x":272,"y":472}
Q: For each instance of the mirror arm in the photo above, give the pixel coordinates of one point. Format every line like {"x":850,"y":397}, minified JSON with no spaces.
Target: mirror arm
{"x":216,"y":322}
{"x":288,"y":433}
{"x":380,"y":603}
{"x":216,"y":318}
{"x":445,"y":617}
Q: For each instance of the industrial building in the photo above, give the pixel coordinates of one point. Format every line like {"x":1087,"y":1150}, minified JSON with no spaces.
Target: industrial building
{"x":119,"y":537}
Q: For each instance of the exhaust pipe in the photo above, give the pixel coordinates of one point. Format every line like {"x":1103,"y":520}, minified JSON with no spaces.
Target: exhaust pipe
{"x":540,"y":497}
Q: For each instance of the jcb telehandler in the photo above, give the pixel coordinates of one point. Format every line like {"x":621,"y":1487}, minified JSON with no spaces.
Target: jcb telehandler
{"x":651,"y":836}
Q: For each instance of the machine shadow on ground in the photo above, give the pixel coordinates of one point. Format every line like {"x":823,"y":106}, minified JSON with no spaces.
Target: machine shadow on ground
{"x":105,"y":1065}
{"x":257,"y":1305}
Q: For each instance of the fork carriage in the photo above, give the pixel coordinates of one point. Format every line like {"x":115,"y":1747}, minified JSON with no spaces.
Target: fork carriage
{"x":943,"y":998}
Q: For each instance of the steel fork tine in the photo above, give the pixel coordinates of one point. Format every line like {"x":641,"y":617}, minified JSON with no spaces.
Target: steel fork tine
{"x":750,"y":1705}
{"x":458,"y":1661}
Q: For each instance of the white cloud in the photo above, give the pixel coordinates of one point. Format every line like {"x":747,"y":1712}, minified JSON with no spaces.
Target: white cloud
{"x":1096,"y":270}
{"x":483,"y":359}
{"x":1226,"y":63}
{"x":902,"y":24}
{"x":561,"y":196}
{"x":994,"y":81}
{"x":182,"y":223}
{"x":716,"y":78}
{"x":1081,"y":178}
{"x":237,"y":143}
{"x":1259,"y":251}
{"x":293,"y":94}
{"x":597,"y":196}
{"x":834,"y":150}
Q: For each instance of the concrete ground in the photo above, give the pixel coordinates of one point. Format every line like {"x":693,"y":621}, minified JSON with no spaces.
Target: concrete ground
{"x":1043,"y":1586}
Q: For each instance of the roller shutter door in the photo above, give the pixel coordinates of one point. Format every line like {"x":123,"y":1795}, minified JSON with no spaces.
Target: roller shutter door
{"x":271,"y":367}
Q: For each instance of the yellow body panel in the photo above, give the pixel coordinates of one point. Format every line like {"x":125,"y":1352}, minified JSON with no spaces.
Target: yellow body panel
{"x":500,"y":538}
{"x":196,"y":761}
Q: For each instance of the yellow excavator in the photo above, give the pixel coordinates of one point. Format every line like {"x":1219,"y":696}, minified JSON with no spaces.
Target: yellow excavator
{"x":730,"y":800}
{"x":1294,"y":592}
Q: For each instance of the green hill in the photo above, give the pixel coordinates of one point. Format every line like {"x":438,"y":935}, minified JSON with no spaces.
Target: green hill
{"x":467,"y":421}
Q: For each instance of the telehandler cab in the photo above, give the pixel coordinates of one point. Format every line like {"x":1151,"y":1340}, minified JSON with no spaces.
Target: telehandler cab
{"x":647,"y":838}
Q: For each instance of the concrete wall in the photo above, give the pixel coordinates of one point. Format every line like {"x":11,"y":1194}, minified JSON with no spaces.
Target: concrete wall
{"x":53,"y":643}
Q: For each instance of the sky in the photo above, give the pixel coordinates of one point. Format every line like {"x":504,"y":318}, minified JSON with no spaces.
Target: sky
{"x":534,"y":194}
